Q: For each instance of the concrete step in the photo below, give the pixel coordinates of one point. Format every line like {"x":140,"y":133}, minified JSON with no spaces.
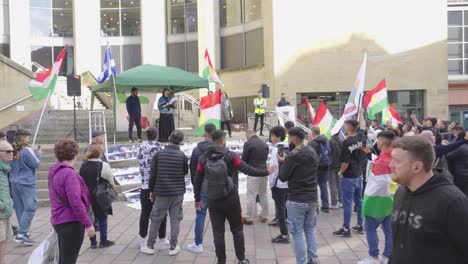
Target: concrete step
{"x":46,"y":166}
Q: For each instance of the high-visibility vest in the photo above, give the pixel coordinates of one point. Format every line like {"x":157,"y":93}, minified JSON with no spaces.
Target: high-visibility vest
{"x":258,"y":110}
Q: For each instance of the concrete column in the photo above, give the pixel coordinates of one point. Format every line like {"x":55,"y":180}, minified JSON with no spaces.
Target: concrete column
{"x":153,"y":32}
{"x":87,"y":36}
{"x":208,"y":34}
{"x":20,"y":33}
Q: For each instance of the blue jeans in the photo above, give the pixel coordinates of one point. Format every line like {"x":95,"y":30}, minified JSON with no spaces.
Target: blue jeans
{"x":370,"y":227}
{"x":351,"y":190}
{"x":301,"y":221}
{"x":25,"y":204}
{"x":102,"y":230}
{"x":200,"y":218}
{"x":323,"y":184}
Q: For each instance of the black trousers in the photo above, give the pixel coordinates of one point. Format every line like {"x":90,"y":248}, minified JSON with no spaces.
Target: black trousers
{"x":262,"y":117}
{"x":228,"y":124}
{"x":280,"y":196}
{"x":70,"y":239}
{"x":146,"y":207}
{"x":230,"y":209}
{"x":137,"y":121}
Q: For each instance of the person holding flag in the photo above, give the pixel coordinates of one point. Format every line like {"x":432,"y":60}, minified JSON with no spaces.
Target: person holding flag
{"x":378,"y":200}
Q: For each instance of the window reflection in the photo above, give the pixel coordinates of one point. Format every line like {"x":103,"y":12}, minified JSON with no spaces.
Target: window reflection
{"x":51,"y":18}
{"x":120,"y":18}
{"x":182,"y":16}
{"x":253,"y":10}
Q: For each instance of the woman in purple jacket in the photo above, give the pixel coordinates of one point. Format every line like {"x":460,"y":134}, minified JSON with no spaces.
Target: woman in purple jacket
{"x":69,"y":202}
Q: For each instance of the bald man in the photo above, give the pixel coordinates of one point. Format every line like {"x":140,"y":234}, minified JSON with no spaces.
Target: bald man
{"x":255,"y":154}
{"x":6,"y":203}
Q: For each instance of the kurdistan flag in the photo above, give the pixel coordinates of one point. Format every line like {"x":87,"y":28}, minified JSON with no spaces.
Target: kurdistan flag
{"x":376,"y":100}
{"x":378,"y":195}
{"x":390,"y":114}
{"x":210,"y":111}
{"x":324,"y":120}
{"x":45,"y":80}
{"x":209,"y":71}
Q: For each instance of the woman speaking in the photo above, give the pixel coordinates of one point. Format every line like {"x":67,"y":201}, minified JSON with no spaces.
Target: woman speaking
{"x":166,"y":106}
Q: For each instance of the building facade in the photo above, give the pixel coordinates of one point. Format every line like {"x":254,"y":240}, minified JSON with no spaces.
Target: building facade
{"x":298,"y":47}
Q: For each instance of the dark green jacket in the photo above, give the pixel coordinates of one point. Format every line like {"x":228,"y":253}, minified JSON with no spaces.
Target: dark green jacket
{"x":6,"y":203}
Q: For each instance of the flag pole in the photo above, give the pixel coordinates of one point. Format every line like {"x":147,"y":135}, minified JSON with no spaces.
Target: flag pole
{"x":42,"y":115}
{"x":115,"y":111}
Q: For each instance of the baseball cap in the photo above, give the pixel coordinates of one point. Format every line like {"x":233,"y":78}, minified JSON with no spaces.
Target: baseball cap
{"x":97,"y":133}
{"x":22,"y":132}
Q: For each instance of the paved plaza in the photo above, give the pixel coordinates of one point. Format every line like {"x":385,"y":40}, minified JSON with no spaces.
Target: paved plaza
{"x":123,"y":229}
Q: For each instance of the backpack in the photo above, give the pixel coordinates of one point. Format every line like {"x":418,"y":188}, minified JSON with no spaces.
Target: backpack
{"x":219,"y":184}
{"x":325,"y":155}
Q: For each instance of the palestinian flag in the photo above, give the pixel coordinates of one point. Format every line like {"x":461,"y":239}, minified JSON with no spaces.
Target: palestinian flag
{"x":210,"y":111}
{"x":45,"y":80}
{"x":391,"y":114}
{"x":378,"y":195}
{"x":376,"y":100}
{"x":324,"y":120}
{"x":209,"y":71}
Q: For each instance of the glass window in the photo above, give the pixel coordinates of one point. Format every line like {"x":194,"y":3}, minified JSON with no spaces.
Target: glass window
{"x":109,"y":3}
{"x":131,"y":55}
{"x":253,"y":10}
{"x":176,"y":55}
{"x":63,"y":22}
{"x":191,"y":14}
{"x":4,"y":19}
{"x":176,"y":19}
{"x":455,"y":18}
{"x":41,"y":22}
{"x":40,"y":3}
{"x":115,"y":54}
{"x":192,"y":56}
{"x":110,"y":22}
{"x":455,"y":67}
{"x":232,"y":51}
{"x":130,"y":3}
{"x":231,"y":13}
{"x":42,"y":55}
{"x":67,"y":4}
{"x":131,"y":22}
{"x":454,"y":51}
{"x":455,"y":34}
{"x":67,"y":67}
{"x":254,"y":47}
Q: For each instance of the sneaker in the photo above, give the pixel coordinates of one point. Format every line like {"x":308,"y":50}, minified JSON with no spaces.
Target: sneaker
{"x":342,"y":232}
{"x":340,"y":204}
{"x":130,"y":141}
{"x":358,"y":229}
{"x":245,"y":261}
{"x":274,"y":222}
{"x":163,"y":244}
{"x":15,"y":230}
{"x":247,"y":222}
{"x":195,"y":248}
{"x":369,"y":260}
{"x":93,"y":245}
{"x":146,"y":250}
{"x":107,"y":243}
{"x":24,"y":239}
{"x":384,"y":259}
{"x":281,"y":239}
{"x":334,"y":207}
{"x":175,"y":251}
{"x":141,"y":242}
{"x":325,"y":210}
{"x":313,"y":261}
{"x":263,"y":219}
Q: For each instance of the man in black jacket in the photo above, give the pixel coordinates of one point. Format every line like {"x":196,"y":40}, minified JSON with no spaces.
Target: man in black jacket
{"x":430,"y":213}
{"x":134,"y":114}
{"x":229,"y":206}
{"x":167,"y":183}
{"x":255,"y":154}
{"x":458,"y":166}
{"x":317,"y":142}
{"x":198,"y":151}
{"x":300,"y":171}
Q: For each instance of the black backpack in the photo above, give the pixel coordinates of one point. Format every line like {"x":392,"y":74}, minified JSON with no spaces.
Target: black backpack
{"x":219,"y":184}
{"x":325,"y":155}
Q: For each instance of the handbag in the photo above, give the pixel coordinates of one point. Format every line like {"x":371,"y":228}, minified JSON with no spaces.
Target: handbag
{"x":65,"y":202}
{"x":105,"y":193}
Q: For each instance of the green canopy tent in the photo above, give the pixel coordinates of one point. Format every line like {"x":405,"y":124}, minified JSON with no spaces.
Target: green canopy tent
{"x":149,"y":77}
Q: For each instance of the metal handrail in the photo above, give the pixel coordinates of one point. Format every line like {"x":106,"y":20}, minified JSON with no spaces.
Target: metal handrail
{"x":16,"y":102}
{"x":189,"y":98}
{"x":38,"y":66}
{"x":285,"y":117}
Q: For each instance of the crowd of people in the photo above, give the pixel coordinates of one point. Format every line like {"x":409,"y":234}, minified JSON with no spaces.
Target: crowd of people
{"x":415,"y":188}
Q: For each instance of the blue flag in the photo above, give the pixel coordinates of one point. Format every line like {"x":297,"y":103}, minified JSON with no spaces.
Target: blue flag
{"x":108,"y":68}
